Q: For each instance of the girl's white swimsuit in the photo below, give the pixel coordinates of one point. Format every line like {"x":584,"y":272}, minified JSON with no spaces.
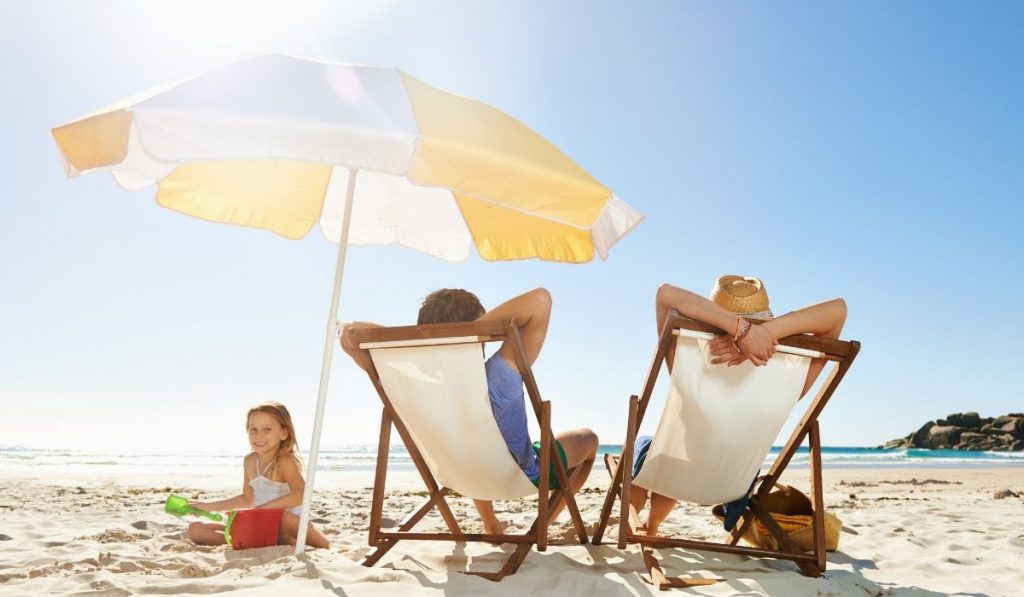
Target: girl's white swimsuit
{"x":265,"y":490}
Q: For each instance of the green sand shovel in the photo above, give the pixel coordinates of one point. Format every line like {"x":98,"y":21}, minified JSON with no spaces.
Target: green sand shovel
{"x":178,"y":506}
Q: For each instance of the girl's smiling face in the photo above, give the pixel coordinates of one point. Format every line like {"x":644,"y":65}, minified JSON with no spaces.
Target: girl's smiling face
{"x":265,"y":434}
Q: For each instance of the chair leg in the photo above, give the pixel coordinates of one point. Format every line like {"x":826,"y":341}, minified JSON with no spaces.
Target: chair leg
{"x":577,"y":517}
{"x":408,"y":523}
{"x":544,"y":494}
{"x":818,"y":497}
{"x":785,"y":544}
{"x":656,"y":575}
{"x":511,"y":565}
{"x":611,"y":463}
{"x":627,"y":458}
{"x":377,"y":504}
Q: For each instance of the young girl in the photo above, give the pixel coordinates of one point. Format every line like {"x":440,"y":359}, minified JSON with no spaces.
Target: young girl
{"x":273,"y":479}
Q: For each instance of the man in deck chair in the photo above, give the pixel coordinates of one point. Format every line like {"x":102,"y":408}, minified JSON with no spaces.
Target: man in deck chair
{"x":734,"y":300}
{"x":532,"y":312}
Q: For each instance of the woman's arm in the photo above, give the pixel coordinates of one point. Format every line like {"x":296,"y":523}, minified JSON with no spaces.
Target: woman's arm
{"x":349,"y":346}
{"x":532,"y":312}
{"x":759,"y":343}
{"x":823,"y":319}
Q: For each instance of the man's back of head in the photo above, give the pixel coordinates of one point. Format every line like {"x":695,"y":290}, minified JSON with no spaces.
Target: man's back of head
{"x":449,"y":305}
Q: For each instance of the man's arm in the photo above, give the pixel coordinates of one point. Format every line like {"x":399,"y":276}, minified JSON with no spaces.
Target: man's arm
{"x":532,"y":312}
{"x":349,"y":346}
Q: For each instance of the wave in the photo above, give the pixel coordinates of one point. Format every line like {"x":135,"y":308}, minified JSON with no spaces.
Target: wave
{"x":361,"y":458}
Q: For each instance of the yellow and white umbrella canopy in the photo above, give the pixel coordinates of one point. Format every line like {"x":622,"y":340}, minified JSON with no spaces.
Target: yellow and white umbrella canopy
{"x":371,"y":154}
{"x":271,"y":142}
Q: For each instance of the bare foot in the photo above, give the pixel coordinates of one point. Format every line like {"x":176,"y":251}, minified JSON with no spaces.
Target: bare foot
{"x":495,"y":528}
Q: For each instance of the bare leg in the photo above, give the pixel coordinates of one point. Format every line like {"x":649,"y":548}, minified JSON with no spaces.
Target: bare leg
{"x":492,"y":526}
{"x":637,"y":496}
{"x":660,"y":508}
{"x":204,"y":533}
{"x":580,"y":447}
{"x":290,"y":530}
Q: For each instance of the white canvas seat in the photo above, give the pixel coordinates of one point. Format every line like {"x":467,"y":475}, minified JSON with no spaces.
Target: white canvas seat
{"x":717,"y":427}
{"x":432,"y":383}
{"x":440,"y":393}
{"x":718,"y":424}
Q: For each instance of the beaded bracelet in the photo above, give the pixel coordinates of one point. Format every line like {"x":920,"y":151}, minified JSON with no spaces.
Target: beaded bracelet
{"x":744,"y":332}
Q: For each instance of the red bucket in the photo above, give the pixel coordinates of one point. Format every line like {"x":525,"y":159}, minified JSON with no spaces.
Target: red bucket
{"x":253,"y":528}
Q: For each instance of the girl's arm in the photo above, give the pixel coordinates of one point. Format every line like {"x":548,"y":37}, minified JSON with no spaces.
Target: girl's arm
{"x":349,"y":346}
{"x":243,"y":500}
{"x":288,"y":470}
{"x":235,"y":503}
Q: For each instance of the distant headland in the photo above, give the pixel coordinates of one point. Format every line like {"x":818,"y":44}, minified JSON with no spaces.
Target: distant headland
{"x":967,"y":431}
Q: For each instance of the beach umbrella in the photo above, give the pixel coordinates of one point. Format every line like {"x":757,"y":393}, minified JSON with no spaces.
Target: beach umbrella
{"x":370,"y":154}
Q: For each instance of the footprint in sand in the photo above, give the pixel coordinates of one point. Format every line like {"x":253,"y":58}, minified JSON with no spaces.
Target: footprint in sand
{"x":113,"y":536}
{"x":125,"y":567}
{"x":193,"y":571}
{"x":108,"y":588}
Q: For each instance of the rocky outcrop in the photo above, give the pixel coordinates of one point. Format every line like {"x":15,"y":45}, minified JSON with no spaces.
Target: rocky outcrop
{"x":967,"y":431}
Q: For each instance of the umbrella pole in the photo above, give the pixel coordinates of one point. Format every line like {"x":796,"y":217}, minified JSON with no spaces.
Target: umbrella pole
{"x":325,"y":368}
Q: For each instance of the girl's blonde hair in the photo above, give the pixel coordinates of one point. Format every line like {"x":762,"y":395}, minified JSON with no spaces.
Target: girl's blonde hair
{"x":290,"y":447}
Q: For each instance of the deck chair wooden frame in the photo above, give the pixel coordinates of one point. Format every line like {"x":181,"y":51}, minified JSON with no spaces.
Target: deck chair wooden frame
{"x":842,"y":354}
{"x":449,"y":333}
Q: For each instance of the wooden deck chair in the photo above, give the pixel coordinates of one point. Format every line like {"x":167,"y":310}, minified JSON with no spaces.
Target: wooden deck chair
{"x":717,"y":428}
{"x":432,"y":383}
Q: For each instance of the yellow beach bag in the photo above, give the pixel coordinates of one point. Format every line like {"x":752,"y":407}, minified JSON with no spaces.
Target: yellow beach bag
{"x":794,"y":513}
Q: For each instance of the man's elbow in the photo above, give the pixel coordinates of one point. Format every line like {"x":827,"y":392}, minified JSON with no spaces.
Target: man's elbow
{"x":541,"y":300}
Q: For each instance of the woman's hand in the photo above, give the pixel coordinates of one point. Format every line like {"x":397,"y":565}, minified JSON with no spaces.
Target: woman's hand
{"x":758,"y":345}
{"x":724,"y":350}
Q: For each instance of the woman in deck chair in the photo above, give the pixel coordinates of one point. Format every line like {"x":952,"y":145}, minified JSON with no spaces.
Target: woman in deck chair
{"x":735,"y":302}
{"x":531,"y":311}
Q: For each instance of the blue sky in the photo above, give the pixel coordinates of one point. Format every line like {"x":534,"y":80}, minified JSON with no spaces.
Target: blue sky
{"x":868,"y":150}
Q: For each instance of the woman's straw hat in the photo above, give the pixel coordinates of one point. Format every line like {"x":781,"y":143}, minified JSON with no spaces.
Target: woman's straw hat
{"x":744,"y":296}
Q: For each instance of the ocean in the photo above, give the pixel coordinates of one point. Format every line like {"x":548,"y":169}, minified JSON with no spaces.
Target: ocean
{"x":19,"y":461}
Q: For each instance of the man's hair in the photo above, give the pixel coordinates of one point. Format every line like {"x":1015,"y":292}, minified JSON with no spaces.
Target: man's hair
{"x":450,"y":305}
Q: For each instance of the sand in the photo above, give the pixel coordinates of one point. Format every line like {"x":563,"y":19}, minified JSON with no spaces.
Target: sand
{"x":906,"y":532}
